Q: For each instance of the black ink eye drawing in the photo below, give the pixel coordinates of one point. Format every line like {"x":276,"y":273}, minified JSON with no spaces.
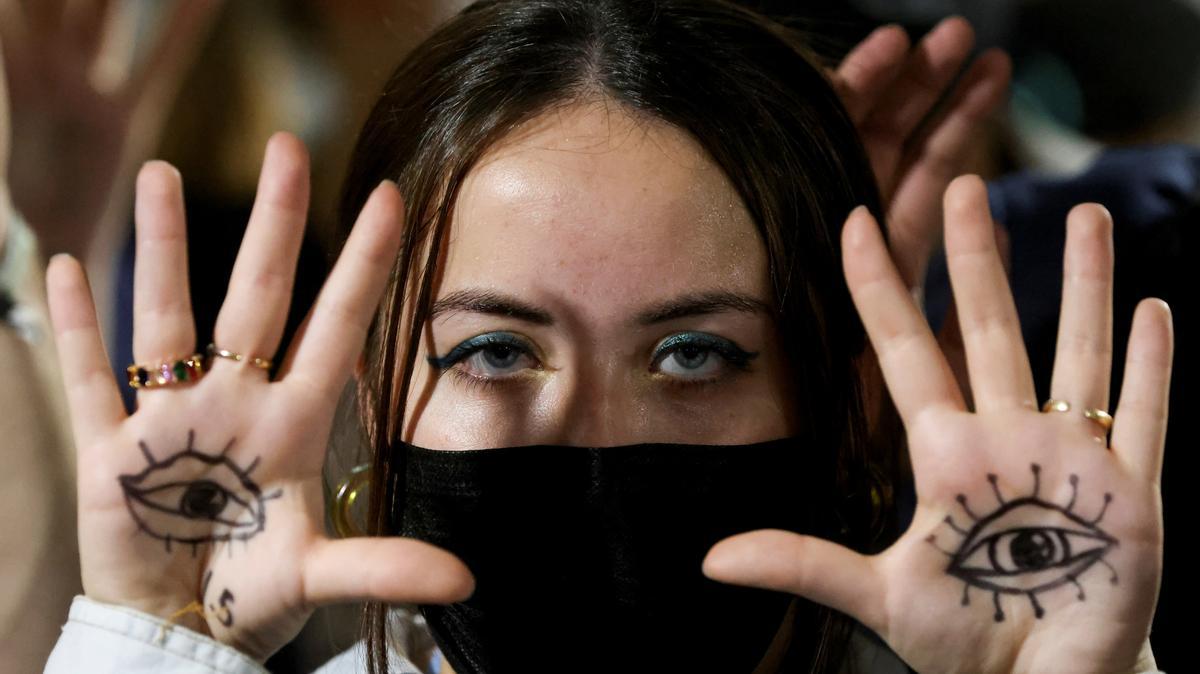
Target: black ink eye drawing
{"x":1027,"y":546}
{"x":192,"y":497}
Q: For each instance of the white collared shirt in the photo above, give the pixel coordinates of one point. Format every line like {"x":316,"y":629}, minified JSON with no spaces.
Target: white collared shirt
{"x":103,"y":638}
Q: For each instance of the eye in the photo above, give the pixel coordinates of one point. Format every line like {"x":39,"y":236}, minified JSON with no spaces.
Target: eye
{"x":691,"y":359}
{"x":696,"y":357}
{"x":193,"y":498}
{"x":1027,"y":546}
{"x":485,"y":358}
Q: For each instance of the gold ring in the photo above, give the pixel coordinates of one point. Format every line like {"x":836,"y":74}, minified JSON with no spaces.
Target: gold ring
{"x":347,"y":493}
{"x":1095,"y":414}
{"x":261,"y":363}
{"x":166,"y":373}
{"x":1056,"y":406}
{"x":1099,"y":416}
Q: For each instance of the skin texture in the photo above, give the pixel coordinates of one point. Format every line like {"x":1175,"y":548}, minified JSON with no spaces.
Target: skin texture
{"x":547,"y":217}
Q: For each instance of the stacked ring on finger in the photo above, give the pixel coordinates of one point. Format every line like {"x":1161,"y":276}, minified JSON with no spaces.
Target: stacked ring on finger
{"x":167,"y":373}
{"x":1095,"y":414}
{"x":216,"y":352}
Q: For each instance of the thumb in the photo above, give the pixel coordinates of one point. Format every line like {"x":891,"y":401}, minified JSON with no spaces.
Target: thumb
{"x":815,"y":569}
{"x":389,"y":569}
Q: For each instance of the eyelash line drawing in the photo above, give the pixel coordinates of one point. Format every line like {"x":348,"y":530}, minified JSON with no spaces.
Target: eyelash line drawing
{"x":1033,"y":551}
{"x":196,"y":503}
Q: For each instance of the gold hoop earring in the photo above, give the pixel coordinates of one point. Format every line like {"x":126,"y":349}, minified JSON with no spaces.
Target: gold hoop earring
{"x":343,"y":501}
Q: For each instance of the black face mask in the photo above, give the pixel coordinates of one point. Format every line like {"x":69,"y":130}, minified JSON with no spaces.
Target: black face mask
{"x":589,"y":559}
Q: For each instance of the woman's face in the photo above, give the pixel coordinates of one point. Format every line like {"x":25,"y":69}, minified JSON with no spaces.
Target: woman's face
{"x":603,"y":285}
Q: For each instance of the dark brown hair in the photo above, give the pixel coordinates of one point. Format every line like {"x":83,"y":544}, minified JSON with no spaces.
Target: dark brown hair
{"x":751,"y":94}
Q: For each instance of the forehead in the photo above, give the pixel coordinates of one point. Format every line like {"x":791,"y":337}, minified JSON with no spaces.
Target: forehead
{"x":592,"y":206}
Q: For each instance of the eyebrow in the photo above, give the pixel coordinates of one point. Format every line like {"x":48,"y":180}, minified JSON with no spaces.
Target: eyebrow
{"x":483,"y":301}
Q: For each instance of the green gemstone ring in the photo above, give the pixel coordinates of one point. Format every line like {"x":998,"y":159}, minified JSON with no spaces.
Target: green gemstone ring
{"x":167,"y":373}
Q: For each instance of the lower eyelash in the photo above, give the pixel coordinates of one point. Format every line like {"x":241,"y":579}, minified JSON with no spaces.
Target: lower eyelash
{"x":692,"y":384}
{"x":470,"y":381}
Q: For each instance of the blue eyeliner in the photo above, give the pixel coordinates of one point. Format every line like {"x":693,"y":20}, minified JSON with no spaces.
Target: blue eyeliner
{"x":477,"y":344}
{"x":726,"y":349}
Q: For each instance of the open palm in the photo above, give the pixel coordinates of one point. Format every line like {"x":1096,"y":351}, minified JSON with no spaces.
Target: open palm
{"x":1035,"y":545}
{"x":210,"y":495}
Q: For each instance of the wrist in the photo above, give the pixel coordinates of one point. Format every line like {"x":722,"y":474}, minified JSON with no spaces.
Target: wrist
{"x":181,"y":611}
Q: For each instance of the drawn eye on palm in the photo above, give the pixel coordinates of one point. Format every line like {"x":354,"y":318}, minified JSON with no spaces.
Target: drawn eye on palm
{"x":1026,"y":546}
{"x":193,"y":498}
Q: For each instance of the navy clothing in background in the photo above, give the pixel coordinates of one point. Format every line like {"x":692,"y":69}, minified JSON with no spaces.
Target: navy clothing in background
{"x":1150,"y":191}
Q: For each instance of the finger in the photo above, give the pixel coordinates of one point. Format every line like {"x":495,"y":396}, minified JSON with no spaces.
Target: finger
{"x":95,"y":403}
{"x":252,"y":319}
{"x":14,"y":32}
{"x":1140,"y":423}
{"x":390,"y":569}
{"x":914,"y":214}
{"x":336,"y":327}
{"x":996,"y":358}
{"x":43,"y":15}
{"x":177,"y":44}
{"x":869,"y":68}
{"x":810,"y":567}
{"x":923,"y":79}
{"x":1005,"y":245}
{"x":1083,"y":354}
{"x":84,"y":24}
{"x":916,"y":373}
{"x":949,"y":339}
{"x":163,"y":326}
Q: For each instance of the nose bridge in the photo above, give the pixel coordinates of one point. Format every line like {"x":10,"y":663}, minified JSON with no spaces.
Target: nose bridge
{"x":595,"y":410}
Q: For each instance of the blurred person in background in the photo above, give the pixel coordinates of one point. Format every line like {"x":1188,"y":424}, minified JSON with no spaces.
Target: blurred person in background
{"x":78,"y":114}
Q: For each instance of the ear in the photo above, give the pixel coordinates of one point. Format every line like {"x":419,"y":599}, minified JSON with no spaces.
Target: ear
{"x":361,"y":366}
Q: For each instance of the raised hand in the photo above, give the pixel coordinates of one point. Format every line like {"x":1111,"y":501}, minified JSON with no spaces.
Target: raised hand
{"x":86,"y":120}
{"x":209,"y":496}
{"x":889,"y":89}
{"x":1036,"y":544}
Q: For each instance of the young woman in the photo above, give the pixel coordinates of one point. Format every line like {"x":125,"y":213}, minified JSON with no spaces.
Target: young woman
{"x":618,"y":389}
